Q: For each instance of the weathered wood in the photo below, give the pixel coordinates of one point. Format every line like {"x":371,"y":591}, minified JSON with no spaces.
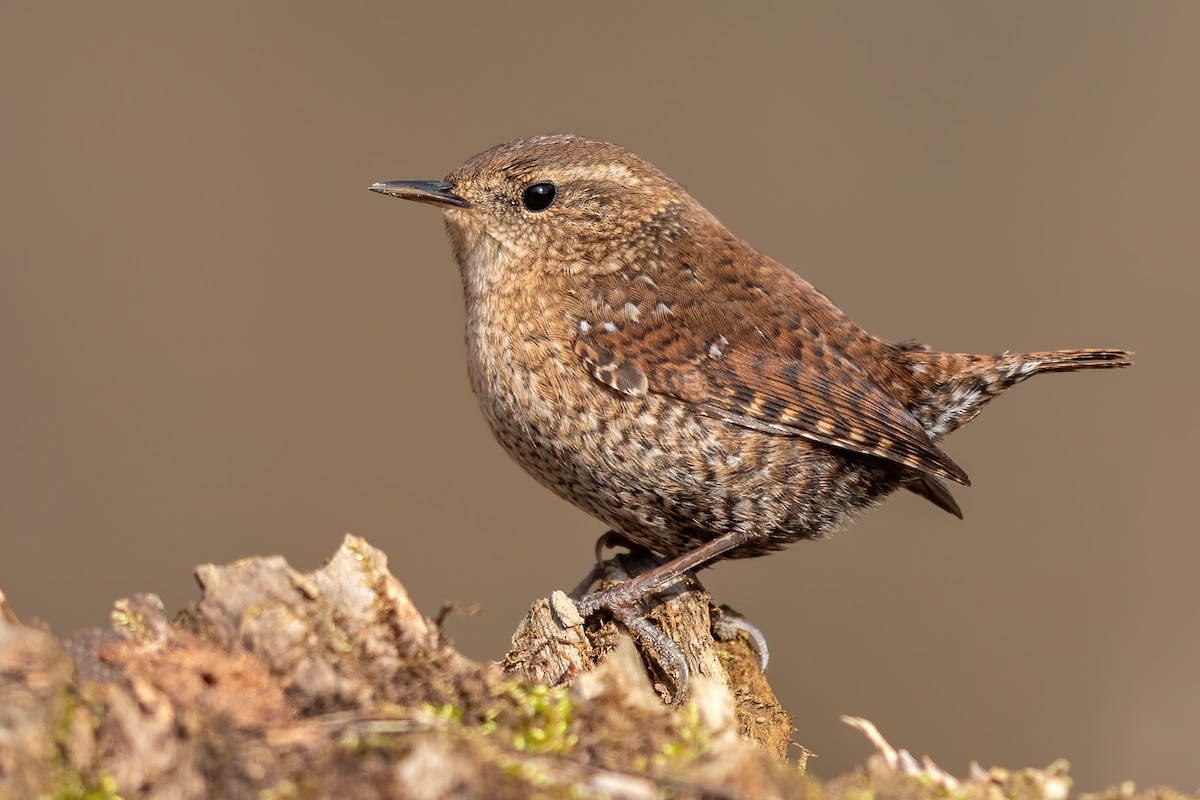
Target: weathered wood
{"x":280,"y":684}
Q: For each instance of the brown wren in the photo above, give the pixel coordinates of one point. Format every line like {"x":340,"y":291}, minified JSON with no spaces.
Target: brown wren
{"x":643,"y":362}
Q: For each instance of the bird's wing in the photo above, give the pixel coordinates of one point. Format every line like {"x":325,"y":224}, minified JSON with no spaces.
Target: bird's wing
{"x":729,"y":368}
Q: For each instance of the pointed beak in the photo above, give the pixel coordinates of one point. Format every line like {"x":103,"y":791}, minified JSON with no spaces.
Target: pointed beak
{"x":437,"y":193}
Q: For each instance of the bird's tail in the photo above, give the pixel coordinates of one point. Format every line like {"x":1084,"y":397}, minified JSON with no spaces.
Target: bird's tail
{"x":1071,"y":360}
{"x":959,"y":385}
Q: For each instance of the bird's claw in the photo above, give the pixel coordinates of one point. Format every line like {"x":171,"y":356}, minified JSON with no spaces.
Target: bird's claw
{"x":727,"y":624}
{"x":622,"y":602}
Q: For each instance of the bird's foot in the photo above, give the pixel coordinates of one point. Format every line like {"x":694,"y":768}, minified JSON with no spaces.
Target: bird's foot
{"x":641,"y":573}
{"x":727,"y":624}
{"x":623,"y":602}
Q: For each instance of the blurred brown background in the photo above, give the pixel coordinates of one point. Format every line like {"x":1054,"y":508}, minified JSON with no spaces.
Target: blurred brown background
{"x":215,"y":342}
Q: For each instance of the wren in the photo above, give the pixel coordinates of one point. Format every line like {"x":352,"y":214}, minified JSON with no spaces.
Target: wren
{"x":643,"y":362}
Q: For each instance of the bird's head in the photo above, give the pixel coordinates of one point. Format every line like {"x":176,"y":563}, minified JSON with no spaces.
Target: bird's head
{"x":556,"y":205}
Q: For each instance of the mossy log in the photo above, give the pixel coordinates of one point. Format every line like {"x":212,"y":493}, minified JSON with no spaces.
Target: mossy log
{"x":331,"y":684}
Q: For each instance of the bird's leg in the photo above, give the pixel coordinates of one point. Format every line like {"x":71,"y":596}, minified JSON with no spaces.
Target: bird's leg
{"x":631,"y":591}
{"x":613,"y":538}
{"x":623,"y":601}
{"x":608,"y":539}
{"x":589,"y":580}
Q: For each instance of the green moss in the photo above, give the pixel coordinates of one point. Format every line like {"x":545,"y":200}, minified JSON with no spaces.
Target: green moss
{"x":104,"y":789}
{"x":530,"y":719}
{"x":514,"y":721}
{"x":690,"y":743}
{"x":542,"y":718}
{"x":443,"y":713}
{"x":71,"y":783}
{"x":859,"y":794}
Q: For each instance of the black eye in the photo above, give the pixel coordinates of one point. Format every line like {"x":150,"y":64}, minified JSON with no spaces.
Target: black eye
{"x":539,"y":196}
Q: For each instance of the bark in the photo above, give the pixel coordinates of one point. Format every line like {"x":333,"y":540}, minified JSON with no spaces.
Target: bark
{"x":331,"y":684}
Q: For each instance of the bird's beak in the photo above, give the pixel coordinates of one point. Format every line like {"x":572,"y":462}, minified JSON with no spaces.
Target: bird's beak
{"x":438,"y":193}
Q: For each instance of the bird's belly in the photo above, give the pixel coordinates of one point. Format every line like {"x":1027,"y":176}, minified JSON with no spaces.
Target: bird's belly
{"x":663,"y":474}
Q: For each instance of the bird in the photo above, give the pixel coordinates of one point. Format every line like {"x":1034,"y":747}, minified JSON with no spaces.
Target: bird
{"x":704,"y":401}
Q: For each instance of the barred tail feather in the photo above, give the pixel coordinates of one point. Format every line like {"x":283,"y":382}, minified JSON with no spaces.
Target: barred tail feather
{"x":1071,"y":360}
{"x":967,"y":382}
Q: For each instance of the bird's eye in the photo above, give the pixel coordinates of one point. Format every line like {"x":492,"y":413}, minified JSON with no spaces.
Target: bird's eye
{"x":539,"y":196}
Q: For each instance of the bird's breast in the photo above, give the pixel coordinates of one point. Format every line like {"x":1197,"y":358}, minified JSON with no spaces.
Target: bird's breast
{"x":522,"y":370}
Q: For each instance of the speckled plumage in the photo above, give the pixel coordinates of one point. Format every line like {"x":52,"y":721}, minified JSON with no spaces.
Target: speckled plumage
{"x":639,"y":359}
